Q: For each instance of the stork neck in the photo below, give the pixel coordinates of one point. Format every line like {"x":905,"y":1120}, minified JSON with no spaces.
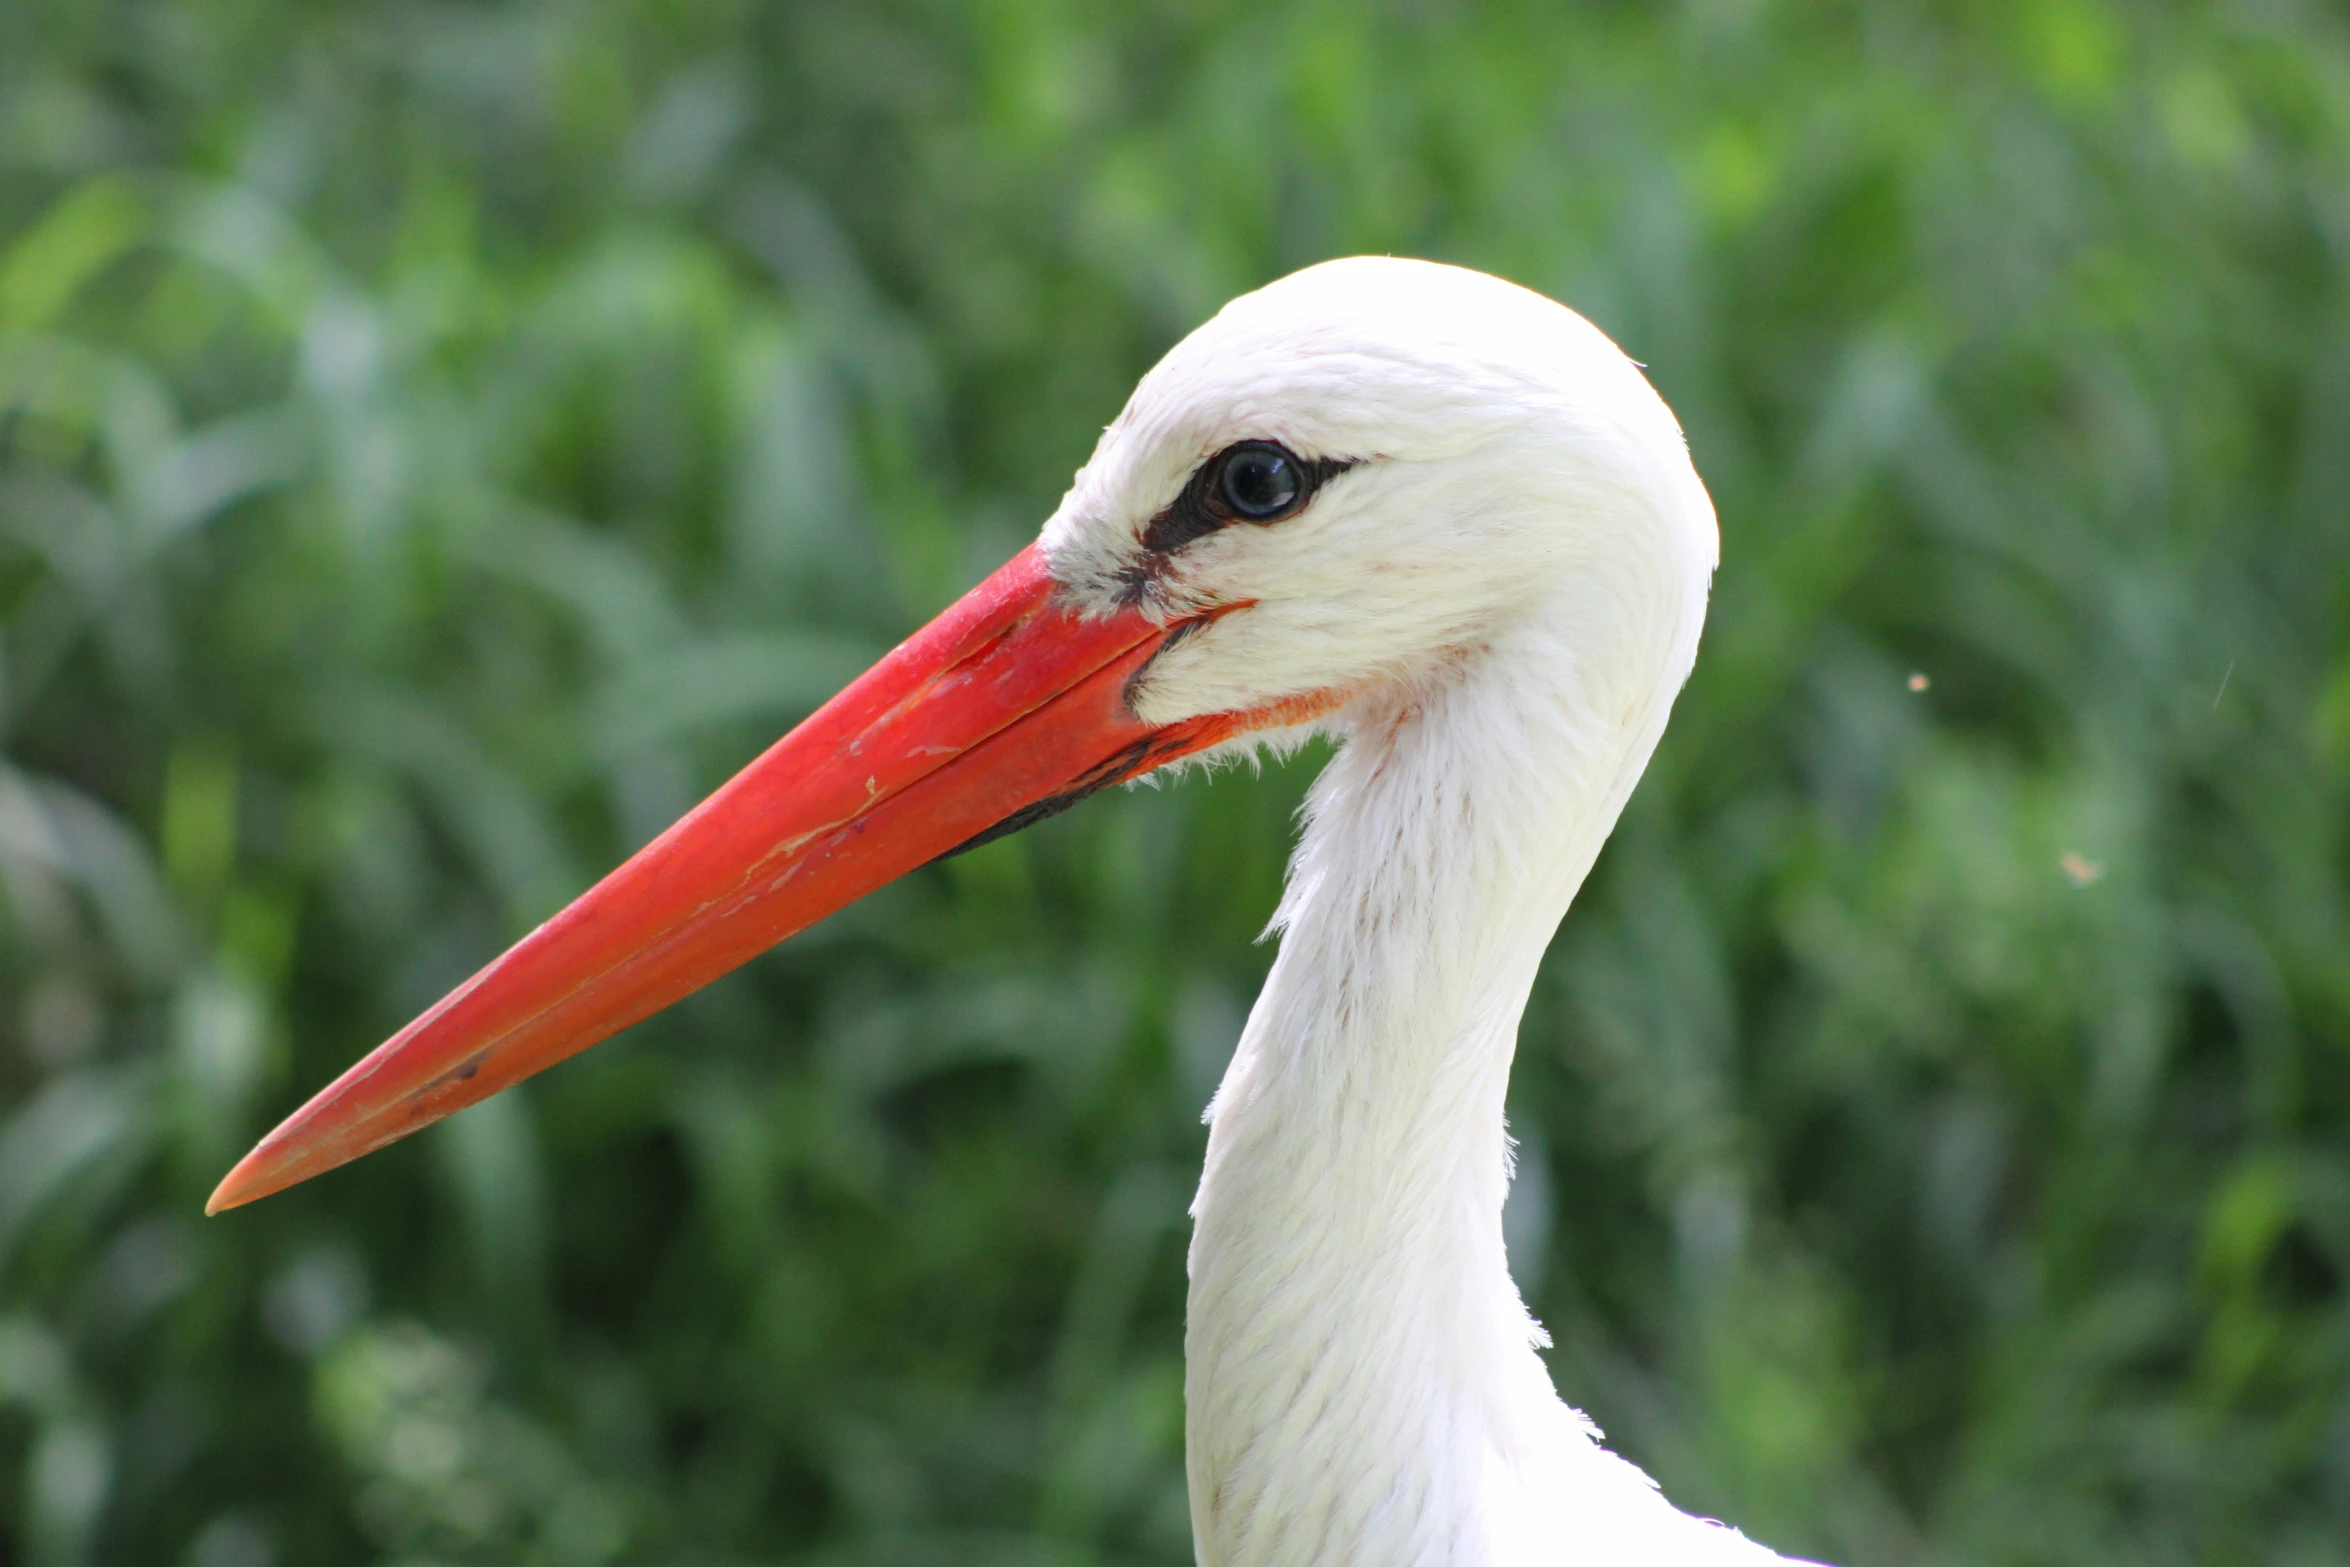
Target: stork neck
{"x":1357,"y":1353}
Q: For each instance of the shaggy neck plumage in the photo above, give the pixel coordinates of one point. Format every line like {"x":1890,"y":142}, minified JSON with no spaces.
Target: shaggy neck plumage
{"x":1361,"y":1373}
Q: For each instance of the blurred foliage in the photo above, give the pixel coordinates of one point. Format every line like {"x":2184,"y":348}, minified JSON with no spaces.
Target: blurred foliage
{"x":439,"y":440}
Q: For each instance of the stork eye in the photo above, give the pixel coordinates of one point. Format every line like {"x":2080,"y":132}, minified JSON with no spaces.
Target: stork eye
{"x":1250,"y":481}
{"x":1257,"y":481}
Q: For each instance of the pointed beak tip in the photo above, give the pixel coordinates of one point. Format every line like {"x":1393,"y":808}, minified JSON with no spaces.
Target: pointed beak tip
{"x":269,"y":1167}
{"x":242,"y":1184}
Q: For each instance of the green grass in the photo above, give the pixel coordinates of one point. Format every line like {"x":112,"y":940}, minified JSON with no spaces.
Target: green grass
{"x":439,"y":441}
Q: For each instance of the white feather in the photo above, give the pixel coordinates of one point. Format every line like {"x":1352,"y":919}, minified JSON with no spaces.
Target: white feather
{"x":1506,"y":590}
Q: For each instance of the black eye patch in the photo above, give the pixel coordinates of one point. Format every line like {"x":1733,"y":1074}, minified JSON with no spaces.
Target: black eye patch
{"x":1250,"y":481}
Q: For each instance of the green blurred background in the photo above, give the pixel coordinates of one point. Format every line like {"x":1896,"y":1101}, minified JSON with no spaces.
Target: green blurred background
{"x":437,"y":441}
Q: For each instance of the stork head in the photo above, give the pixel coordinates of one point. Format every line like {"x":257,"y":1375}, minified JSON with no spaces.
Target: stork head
{"x":1355,"y":475}
{"x":1343,"y":484}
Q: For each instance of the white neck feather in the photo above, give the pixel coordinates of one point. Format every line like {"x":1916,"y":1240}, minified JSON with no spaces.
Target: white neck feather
{"x":1362,"y":1381}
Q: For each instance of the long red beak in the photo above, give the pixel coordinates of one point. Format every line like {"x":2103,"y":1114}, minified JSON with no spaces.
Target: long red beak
{"x":1004,"y":707}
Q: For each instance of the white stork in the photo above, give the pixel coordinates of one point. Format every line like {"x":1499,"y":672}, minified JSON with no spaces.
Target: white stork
{"x":1426,"y":512}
